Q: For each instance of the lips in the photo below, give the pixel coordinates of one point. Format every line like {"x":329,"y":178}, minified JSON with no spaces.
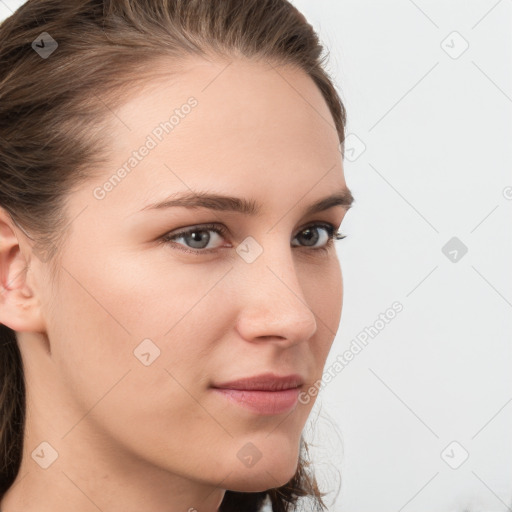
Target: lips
{"x":263,"y":382}
{"x":265,"y":394}
{"x":265,"y":403}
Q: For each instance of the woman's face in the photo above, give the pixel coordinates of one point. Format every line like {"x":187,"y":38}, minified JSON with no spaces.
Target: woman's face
{"x":140,"y":329}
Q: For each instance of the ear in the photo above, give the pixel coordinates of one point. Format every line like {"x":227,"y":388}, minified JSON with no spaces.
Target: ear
{"x":20,"y":307}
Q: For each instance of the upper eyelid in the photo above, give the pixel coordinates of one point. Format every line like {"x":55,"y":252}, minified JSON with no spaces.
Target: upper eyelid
{"x":221,"y":228}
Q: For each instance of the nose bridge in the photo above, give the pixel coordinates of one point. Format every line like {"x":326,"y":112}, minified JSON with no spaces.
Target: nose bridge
{"x":275,"y":305}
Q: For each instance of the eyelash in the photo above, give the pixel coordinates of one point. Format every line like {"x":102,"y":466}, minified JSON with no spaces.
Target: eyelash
{"x":221,"y":230}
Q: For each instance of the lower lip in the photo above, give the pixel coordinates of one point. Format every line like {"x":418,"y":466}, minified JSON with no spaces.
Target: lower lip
{"x":263,"y":402}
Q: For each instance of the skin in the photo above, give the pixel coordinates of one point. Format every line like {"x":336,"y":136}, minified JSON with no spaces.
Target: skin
{"x":133,"y":437}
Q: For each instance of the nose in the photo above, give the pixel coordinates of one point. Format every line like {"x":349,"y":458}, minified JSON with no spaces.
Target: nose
{"x":275,"y":308}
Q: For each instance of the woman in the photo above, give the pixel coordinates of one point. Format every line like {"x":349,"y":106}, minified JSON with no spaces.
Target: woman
{"x":171,"y":188}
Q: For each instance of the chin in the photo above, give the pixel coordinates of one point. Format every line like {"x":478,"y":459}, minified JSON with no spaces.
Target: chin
{"x":262,"y":477}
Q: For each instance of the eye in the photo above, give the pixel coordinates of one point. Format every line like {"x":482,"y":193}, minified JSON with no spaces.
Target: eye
{"x":197,"y":238}
{"x":311,"y":237}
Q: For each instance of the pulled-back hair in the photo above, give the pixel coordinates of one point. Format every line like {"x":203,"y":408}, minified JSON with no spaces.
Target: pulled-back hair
{"x":54,"y":114}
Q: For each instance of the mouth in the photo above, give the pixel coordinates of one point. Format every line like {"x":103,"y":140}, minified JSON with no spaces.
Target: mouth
{"x":265,"y":394}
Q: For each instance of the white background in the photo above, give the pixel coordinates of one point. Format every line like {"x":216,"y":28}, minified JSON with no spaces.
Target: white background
{"x":435,"y":123}
{"x":438,"y":137}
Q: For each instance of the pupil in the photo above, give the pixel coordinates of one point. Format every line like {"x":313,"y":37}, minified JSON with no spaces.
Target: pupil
{"x":311,"y":235}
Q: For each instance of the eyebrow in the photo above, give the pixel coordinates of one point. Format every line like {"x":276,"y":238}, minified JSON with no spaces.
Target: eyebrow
{"x":219,"y":202}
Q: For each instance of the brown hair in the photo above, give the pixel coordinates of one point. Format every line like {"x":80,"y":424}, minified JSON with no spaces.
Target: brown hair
{"x":53,"y":132}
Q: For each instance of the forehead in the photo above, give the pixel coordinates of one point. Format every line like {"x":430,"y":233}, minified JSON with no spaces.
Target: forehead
{"x":229,"y":122}
{"x":239,"y":102}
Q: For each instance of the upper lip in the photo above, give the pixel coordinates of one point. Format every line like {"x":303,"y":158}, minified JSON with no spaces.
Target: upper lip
{"x":264,"y":382}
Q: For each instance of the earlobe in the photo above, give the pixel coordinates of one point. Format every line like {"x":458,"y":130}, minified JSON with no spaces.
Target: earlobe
{"x":20,"y":308}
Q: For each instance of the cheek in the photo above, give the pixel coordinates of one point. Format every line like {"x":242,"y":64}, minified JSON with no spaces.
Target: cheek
{"x":135,"y":298}
{"x":122,"y":314}
{"x":323,"y":291}
{"x":133,"y":350}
